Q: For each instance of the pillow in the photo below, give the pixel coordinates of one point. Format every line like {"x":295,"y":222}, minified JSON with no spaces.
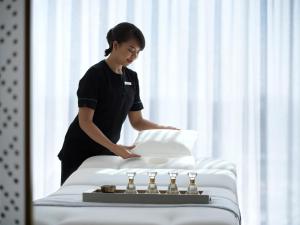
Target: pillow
{"x":165,"y":143}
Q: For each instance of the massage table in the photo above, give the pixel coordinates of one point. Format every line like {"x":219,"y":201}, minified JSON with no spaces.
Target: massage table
{"x":215,"y":177}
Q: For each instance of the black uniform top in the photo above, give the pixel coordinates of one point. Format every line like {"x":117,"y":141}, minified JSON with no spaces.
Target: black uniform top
{"x":112,"y":96}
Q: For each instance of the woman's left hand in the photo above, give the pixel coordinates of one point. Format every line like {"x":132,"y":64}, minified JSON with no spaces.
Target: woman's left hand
{"x":168,"y":127}
{"x":128,"y":147}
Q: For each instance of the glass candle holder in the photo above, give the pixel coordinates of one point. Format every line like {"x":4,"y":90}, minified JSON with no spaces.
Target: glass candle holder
{"x":152,"y":188}
{"x":131,"y":186}
{"x":172,"y":189}
{"x":192,"y":188}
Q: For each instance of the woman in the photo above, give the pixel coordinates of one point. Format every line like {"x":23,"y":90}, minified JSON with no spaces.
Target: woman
{"x":107,"y":93}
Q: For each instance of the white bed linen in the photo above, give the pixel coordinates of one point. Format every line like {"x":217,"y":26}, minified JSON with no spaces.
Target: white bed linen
{"x":185,"y":162}
{"x":218,"y":180}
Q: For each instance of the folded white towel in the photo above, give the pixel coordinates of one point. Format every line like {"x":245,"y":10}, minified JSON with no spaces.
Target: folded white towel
{"x":163,"y":143}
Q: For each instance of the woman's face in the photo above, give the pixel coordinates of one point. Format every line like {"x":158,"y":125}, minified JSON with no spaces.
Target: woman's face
{"x":126,"y":52}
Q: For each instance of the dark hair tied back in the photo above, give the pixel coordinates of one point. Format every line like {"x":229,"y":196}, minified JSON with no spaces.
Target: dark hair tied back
{"x":124,"y":32}
{"x":109,"y":38}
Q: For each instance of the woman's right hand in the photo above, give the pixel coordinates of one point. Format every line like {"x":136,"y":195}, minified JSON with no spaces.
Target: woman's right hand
{"x":124,"y":151}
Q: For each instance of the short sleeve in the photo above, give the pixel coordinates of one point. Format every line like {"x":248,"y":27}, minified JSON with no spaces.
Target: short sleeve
{"x":88,"y":89}
{"x":137,"y":103}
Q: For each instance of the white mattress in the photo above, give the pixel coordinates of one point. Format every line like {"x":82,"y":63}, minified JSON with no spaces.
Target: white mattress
{"x":215,"y":177}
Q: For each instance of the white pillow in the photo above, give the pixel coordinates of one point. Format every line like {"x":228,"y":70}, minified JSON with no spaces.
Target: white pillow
{"x":165,"y":143}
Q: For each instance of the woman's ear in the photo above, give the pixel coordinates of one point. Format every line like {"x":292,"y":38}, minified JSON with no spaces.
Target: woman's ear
{"x":115,"y":45}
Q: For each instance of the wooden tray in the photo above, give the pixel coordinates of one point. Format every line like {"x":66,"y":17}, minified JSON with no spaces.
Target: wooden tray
{"x":120,"y":197}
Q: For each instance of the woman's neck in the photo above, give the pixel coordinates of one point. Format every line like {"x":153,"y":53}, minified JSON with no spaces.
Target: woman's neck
{"x":115,"y":67}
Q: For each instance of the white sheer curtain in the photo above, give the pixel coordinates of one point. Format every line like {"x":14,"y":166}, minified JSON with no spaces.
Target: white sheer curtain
{"x":228,"y":69}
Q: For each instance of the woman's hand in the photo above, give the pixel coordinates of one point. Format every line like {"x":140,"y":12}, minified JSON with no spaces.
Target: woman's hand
{"x":168,"y":127}
{"x":124,"y":151}
{"x":139,"y":123}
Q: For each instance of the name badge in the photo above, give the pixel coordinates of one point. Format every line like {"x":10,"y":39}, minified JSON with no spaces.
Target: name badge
{"x":127,"y":83}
